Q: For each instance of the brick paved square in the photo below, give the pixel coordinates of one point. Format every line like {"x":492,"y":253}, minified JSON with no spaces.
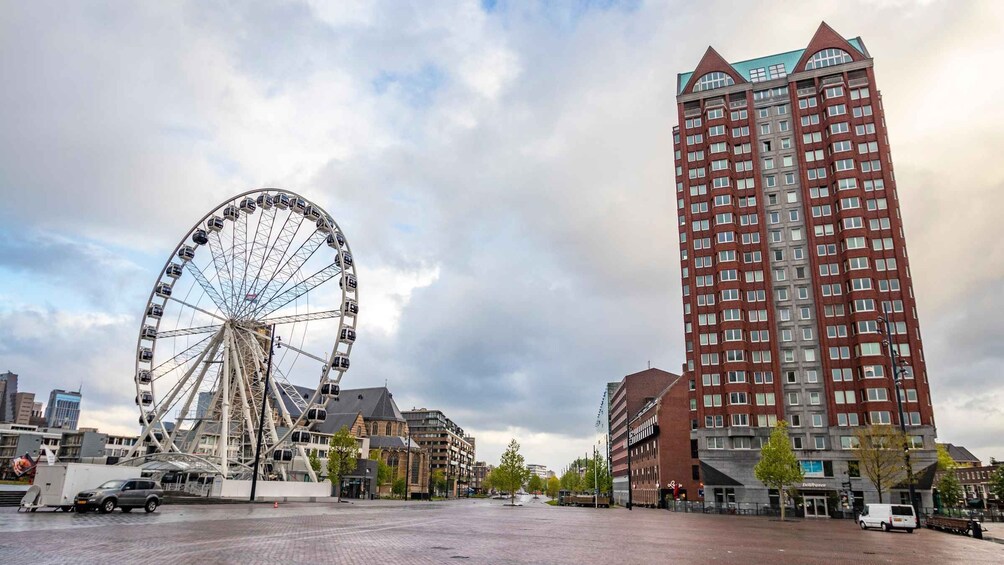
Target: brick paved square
{"x":467,"y":531}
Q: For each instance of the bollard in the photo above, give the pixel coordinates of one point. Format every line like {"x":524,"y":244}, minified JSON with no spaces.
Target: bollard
{"x":275,"y":504}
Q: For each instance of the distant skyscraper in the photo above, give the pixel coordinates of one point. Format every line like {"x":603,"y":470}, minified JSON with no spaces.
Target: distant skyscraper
{"x":792,"y":253}
{"x":24,"y":402}
{"x":8,"y":389}
{"x":202,"y":404}
{"x":63,"y":409}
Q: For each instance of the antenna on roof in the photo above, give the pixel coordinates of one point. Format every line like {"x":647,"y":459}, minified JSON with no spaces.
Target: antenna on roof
{"x":649,"y":363}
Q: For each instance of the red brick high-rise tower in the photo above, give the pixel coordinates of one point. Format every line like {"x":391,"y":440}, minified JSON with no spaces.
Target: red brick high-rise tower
{"x":792,"y":249}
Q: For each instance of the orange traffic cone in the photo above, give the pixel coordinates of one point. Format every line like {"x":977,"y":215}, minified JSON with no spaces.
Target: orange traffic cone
{"x":275,"y":504}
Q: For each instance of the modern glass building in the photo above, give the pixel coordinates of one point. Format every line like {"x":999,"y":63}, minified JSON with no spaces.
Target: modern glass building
{"x":63,"y":410}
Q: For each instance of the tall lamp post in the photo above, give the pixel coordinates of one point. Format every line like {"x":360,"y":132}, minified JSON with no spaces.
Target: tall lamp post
{"x":898,"y":369}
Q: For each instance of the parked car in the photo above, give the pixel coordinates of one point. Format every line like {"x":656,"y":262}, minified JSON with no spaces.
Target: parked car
{"x":125,"y":494}
{"x":888,"y":517}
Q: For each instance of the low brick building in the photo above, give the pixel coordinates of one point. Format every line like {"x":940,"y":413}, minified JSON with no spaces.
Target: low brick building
{"x":629,"y":396}
{"x":662,"y":463}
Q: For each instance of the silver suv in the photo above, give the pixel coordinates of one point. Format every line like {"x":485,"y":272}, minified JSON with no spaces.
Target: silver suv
{"x":125,"y":494}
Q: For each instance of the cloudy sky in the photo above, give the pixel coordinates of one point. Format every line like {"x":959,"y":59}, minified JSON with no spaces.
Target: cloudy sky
{"x":503,"y":171}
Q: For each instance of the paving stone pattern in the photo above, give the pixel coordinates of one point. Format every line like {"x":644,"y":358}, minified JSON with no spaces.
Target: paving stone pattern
{"x":465,"y":531}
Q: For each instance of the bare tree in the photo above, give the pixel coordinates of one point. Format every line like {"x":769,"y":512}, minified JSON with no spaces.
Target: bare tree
{"x":880,"y":456}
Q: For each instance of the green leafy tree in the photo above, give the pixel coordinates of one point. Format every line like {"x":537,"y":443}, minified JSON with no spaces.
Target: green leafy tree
{"x":570,"y":481}
{"x":488,"y":484}
{"x":438,"y":481}
{"x":778,"y":467}
{"x":343,"y":454}
{"x":398,"y":487}
{"x":950,"y":489}
{"x":945,"y":461}
{"x":880,"y":456}
{"x":315,"y":462}
{"x":997,"y":482}
{"x":597,"y":476}
{"x":385,"y":474}
{"x":511,"y":474}
{"x":535,"y":484}
{"x":553,"y":486}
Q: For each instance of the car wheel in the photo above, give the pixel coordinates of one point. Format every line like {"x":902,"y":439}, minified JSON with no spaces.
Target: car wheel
{"x":151,"y":505}
{"x":886,"y":527}
{"x":909,"y":530}
{"x":107,"y":506}
{"x":127,"y":509}
{"x":862,"y":524}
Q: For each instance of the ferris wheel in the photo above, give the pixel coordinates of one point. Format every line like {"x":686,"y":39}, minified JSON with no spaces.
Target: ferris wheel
{"x":247,"y":305}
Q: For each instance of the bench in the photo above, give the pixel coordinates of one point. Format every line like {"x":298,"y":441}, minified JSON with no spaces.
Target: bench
{"x":963,"y":526}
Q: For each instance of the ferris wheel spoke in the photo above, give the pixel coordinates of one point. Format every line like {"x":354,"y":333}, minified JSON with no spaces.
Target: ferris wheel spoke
{"x":209,"y":289}
{"x":273,"y":258}
{"x":300,"y":288}
{"x":188,"y":331}
{"x":259,"y":250}
{"x":239,"y":258}
{"x":181,"y":358}
{"x":223,"y":275}
{"x":192,"y":395}
{"x":193,"y":307}
{"x":294,"y":318}
{"x":298,"y":350}
{"x":289,"y":270}
{"x":161,"y":409}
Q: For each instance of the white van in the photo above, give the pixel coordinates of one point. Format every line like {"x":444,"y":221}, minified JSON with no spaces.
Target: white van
{"x":888,"y":516}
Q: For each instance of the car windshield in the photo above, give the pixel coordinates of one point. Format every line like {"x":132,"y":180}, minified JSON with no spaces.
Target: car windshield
{"x":112,"y":484}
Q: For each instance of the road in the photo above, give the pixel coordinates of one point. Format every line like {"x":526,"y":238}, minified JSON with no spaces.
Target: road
{"x":469,"y":531}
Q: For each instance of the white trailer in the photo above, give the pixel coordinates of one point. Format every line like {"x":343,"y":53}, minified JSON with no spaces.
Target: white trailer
{"x":56,"y":485}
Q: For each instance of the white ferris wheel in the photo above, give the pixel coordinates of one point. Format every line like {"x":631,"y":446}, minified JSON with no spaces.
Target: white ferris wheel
{"x":225,"y":335}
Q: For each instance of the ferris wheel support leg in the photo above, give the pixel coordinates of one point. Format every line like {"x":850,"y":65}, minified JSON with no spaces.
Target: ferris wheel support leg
{"x":170,"y":399}
{"x":223,"y":448}
{"x":244,"y":395}
{"x":191,"y":397}
{"x":301,"y":454}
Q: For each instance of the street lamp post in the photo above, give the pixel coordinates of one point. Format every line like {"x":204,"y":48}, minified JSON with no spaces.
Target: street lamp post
{"x":407,"y":471}
{"x":897,"y":372}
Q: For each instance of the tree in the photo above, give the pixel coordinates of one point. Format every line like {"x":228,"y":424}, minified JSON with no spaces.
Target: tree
{"x":384,"y":471}
{"x":553,"y":486}
{"x":778,"y":467}
{"x":570,"y":481}
{"x":511,"y":473}
{"x":949,"y":487}
{"x":315,"y":462}
{"x":880,"y":456}
{"x":597,"y":476}
{"x":398,"y":487}
{"x":536,"y":484}
{"x":438,"y":481}
{"x":343,"y":454}
{"x":997,"y":482}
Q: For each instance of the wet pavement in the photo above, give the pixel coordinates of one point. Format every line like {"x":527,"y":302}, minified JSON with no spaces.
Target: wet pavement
{"x":468,"y":531}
